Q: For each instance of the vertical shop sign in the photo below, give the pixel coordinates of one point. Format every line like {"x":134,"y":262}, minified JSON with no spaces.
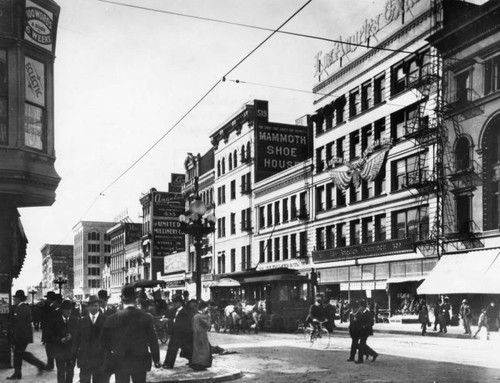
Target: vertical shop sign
{"x":167,"y":235}
{"x":39,"y":26}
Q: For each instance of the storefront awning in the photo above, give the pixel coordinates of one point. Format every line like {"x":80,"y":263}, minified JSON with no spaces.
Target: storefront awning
{"x":224,"y":282}
{"x":405,"y":279}
{"x":473,"y":272}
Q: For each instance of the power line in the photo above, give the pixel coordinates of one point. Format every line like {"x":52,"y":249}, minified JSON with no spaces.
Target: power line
{"x":277,"y":87}
{"x":296,"y":34}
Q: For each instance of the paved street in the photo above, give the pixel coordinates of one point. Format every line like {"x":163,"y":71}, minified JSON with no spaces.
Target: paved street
{"x":271,"y":357}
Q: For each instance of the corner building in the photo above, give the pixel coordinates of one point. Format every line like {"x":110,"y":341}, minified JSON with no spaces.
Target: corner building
{"x":376,"y":212}
{"x":470,"y":107}
{"x":248,"y":148}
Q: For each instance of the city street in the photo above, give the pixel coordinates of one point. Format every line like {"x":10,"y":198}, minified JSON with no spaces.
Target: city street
{"x":273,"y":357}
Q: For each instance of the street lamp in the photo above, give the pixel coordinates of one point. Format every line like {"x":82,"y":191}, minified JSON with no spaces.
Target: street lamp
{"x":198,"y":226}
{"x":33,"y":291}
{"x":59,"y":281}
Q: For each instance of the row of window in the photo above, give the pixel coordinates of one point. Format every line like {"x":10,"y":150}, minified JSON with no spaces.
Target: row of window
{"x":379,"y":271}
{"x":96,"y":236}
{"x":409,"y":223}
{"x":96,"y":248}
{"x":283,"y":248}
{"x":232,"y":159}
{"x":404,"y":75}
{"x":245,"y":223}
{"x":283,"y":211}
{"x":352,"y":146}
{"x":245,"y":188}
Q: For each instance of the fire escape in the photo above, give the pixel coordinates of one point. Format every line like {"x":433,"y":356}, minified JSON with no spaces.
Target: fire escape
{"x":448,"y":175}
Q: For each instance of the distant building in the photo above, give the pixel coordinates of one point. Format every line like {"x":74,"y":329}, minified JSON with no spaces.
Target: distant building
{"x":122,"y":235}
{"x":92,"y":249}
{"x":57,"y":261}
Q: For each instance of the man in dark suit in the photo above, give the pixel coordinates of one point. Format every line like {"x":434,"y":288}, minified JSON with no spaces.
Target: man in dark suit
{"x":365,"y":324}
{"x":181,"y":336}
{"x":22,"y":334}
{"x":87,"y":344}
{"x":62,"y":334}
{"x":48,"y":314}
{"x":129,"y":335}
{"x":103,"y":298}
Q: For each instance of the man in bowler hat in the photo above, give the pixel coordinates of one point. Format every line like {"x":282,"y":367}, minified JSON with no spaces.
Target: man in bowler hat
{"x":181,"y":336}
{"x":87,"y":344}
{"x":129,"y":336}
{"x":103,"y":298}
{"x":22,"y":335}
{"x":62,"y":334}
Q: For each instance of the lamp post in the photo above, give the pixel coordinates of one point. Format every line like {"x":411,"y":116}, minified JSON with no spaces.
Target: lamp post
{"x":198,"y":226}
{"x":33,"y":291}
{"x":59,"y":281}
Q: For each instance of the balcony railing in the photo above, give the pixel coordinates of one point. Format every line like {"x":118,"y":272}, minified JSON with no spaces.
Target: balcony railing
{"x":461,"y":97}
{"x":245,"y":159}
{"x":246,"y":189}
{"x":302,"y":214}
{"x":246,"y":226}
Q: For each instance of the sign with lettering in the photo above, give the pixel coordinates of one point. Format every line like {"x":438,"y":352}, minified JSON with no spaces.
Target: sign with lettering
{"x":34,"y":76}
{"x":39,"y":26}
{"x":373,"y":30}
{"x":279,"y":147}
{"x":167,"y":235}
{"x":175,"y":263}
{"x":290,"y":264}
{"x":365,"y":250}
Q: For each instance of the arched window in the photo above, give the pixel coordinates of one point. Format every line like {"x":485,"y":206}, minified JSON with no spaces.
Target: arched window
{"x":223,"y":166}
{"x":243,"y":153}
{"x":218,"y":168}
{"x":230,"y":161}
{"x":249,"y":153}
{"x":462,"y":154}
{"x":235,"y":159}
{"x":491,"y":170}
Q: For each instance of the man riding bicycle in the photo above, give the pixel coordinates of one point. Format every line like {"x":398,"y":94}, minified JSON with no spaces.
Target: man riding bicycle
{"x":316,"y":315}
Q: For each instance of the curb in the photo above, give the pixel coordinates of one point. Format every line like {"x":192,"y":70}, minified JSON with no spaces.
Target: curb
{"x":414,"y":333}
{"x":186,"y":375}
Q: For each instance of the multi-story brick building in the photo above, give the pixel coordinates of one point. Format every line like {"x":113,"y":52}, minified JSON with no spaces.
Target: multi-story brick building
{"x":92,"y":250}
{"x":57,"y":261}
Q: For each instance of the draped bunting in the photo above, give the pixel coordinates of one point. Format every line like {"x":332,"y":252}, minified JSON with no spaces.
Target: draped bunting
{"x":367,"y":168}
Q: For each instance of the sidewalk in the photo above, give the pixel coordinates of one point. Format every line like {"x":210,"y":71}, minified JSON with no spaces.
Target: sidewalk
{"x":415,"y":329}
{"x":181,"y":373}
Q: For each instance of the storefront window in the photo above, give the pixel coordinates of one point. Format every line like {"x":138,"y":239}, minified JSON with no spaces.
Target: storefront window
{"x":355,"y":273}
{"x":343,"y":273}
{"x":398,"y":269}
{"x":368,"y":272}
{"x":428,"y":265}
{"x":34,"y":114}
{"x":413,"y":268}
{"x":382,"y":271}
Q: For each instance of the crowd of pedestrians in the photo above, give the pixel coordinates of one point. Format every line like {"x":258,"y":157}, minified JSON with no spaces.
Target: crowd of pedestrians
{"x":102,"y":340}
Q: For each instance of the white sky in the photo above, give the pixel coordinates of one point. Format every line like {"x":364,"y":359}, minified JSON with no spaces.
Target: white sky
{"x":124,"y":76}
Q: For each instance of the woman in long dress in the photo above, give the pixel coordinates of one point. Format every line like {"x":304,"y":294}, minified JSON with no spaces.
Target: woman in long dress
{"x":202,"y":356}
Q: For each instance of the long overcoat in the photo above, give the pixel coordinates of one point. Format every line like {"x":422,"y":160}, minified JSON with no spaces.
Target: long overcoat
{"x":87,"y":345}
{"x":130,"y":335}
{"x":22,"y":333}
{"x":201,"y":347}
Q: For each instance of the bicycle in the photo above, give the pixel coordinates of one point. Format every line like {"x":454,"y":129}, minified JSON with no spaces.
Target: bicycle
{"x":317,"y":335}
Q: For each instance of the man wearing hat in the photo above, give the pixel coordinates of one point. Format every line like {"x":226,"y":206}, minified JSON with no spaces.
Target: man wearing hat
{"x":128,"y":337}
{"x":181,"y":333}
{"x":48,"y":314}
{"x":22,"y":335}
{"x":87,"y":344}
{"x":62,"y":333}
{"x":466,"y":316}
{"x":105,"y":309}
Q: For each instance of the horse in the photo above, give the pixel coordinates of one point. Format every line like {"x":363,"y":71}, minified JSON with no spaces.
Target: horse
{"x":232,"y":315}
{"x":255,"y":313}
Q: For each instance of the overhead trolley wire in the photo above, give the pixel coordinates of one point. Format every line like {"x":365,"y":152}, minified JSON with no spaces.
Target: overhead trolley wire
{"x":205,"y":95}
{"x":250,"y":26}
